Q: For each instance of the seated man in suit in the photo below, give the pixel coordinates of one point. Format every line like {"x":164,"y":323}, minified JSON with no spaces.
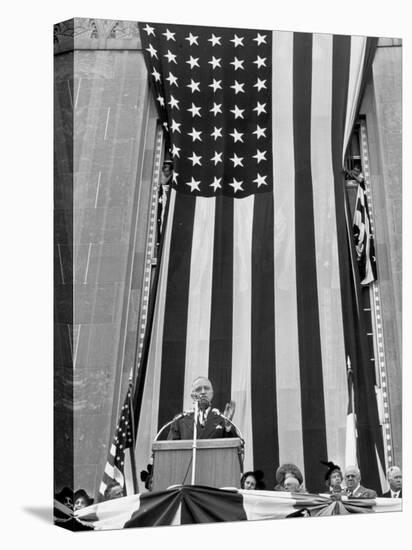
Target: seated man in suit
{"x":395,"y":482}
{"x":353,"y":487}
{"x":210,"y":424}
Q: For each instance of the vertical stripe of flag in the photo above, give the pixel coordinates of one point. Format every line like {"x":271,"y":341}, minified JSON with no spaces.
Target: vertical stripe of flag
{"x":340,"y":79}
{"x":172,"y":376}
{"x":242,"y":311}
{"x":356,"y":76}
{"x":200,"y":292}
{"x":362,"y":54}
{"x":263,"y":370}
{"x":263,"y":361}
{"x":220,"y":353}
{"x":328,"y":283}
{"x":289,"y":410}
{"x":311,"y":376}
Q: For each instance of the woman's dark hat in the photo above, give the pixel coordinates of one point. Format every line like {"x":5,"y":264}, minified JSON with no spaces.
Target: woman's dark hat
{"x":146,"y":474}
{"x":258,"y":475}
{"x":82,"y":493}
{"x":65,"y":492}
{"x":331,"y":468}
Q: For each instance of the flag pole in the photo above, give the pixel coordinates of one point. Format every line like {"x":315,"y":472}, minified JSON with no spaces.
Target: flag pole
{"x":132,"y":446}
{"x":138,"y":373}
{"x":194,"y":443}
{"x":141,"y":369}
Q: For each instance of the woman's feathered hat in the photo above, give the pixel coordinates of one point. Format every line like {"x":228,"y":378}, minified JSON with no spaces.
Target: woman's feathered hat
{"x":331,"y":468}
{"x":145,"y":475}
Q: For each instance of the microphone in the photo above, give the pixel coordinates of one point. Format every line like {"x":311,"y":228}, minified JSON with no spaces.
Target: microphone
{"x":181,"y":415}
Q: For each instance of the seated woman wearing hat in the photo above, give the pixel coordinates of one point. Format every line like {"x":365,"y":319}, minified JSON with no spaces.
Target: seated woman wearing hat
{"x":333,"y":477}
{"x":81,"y":499}
{"x":252,"y":480}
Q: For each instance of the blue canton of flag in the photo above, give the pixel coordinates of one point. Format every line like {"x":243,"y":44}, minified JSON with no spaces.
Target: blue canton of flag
{"x":213,"y":93}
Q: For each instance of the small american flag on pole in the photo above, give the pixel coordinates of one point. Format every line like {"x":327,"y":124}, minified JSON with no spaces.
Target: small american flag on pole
{"x":122,"y":440}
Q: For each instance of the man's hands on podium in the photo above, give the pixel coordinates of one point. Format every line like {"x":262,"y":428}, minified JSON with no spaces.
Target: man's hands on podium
{"x":229,"y":412}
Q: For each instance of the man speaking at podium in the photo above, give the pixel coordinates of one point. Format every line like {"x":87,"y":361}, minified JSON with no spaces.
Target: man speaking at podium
{"x":210,"y":423}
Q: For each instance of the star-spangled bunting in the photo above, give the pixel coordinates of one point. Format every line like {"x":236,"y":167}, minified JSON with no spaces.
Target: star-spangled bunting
{"x":213,"y":94}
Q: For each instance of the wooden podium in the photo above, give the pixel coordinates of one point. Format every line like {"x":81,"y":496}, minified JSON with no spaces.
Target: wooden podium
{"x":218,"y":463}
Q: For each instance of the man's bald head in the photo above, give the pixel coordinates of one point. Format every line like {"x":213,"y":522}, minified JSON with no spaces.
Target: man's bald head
{"x":395,"y":478}
{"x":291,"y":483}
{"x":352,"y":477}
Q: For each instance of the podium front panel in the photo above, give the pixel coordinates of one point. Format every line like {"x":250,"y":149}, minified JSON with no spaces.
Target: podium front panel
{"x":218,"y":463}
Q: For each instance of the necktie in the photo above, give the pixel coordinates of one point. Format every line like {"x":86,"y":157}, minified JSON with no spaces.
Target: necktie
{"x":202,"y":418}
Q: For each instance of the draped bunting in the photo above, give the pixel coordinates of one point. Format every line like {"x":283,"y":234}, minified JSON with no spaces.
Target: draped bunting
{"x":252,"y":291}
{"x":197,"y":504}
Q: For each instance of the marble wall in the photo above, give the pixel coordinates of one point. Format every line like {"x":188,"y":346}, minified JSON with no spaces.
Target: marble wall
{"x":105,"y":133}
{"x":63,"y":272}
{"x":382,"y":107}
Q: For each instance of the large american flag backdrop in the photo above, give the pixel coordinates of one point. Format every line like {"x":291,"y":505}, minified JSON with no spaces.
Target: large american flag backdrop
{"x":255,"y":288}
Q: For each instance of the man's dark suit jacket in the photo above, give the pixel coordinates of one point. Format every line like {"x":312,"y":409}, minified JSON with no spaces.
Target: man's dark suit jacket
{"x":361,"y":492}
{"x":214,"y":428}
{"x":389,"y":495}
